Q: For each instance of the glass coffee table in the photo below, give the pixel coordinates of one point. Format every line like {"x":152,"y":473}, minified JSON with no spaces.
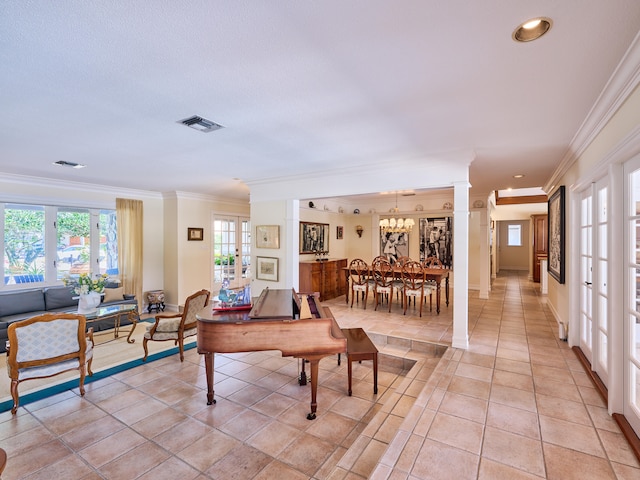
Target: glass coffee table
{"x":115,"y":311}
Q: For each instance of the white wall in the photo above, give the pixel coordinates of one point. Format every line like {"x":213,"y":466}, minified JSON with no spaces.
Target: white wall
{"x":513,"y":258}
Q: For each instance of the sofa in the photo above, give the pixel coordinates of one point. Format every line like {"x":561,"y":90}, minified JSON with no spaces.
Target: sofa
{"x":21,"y":304}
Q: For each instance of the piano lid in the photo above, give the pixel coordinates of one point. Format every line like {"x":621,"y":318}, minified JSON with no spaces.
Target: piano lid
{"x":277,"y":303}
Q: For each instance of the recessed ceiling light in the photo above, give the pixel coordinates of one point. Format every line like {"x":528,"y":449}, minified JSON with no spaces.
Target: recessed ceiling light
{"x":532,"y":29}
{"x":519,"y":175}
{"x":200,"y":124}
{"x":63,"y":163}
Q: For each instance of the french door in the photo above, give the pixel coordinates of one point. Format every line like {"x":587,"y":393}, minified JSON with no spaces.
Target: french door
{"x":594,"y":265}
{"x":231,"y":251}
{"x":632,"y":289}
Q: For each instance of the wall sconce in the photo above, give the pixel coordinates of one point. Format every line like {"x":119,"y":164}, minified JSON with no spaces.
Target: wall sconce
{"x":359,"y":230}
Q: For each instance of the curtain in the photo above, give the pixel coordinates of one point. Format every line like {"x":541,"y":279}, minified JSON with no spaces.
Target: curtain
{"x":129,"y":218}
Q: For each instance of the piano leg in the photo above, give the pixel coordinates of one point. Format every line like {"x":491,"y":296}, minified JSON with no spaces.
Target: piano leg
{"x":314,"y":388}
{"x":208,"y":365}
{"x":302,"y":378}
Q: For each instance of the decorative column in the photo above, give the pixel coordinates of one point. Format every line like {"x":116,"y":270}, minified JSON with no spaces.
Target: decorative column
{"x":460,"y":265}
{"x":485,"y":268}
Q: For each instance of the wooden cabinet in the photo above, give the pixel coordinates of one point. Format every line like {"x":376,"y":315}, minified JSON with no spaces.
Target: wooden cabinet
{"x":539,"y":243}
{"x":325,"y":277}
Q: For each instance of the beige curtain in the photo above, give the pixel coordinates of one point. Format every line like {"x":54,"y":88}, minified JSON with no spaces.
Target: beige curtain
{"x":129,"y":218}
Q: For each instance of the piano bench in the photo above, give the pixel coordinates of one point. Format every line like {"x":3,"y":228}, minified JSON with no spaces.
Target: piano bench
{"x":360,"y":347}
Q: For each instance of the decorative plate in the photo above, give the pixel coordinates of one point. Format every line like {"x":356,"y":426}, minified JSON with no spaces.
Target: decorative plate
{"x":447,"y":206}
{"x":356,"y":211}
{"x":419,"y":208}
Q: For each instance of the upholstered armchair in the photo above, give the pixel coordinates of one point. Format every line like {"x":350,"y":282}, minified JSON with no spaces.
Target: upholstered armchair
{"x":47,"y":345}
{"x":177,"y":326}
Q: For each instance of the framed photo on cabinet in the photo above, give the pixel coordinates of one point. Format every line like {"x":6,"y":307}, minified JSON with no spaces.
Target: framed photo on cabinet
{"x":268,"y":236}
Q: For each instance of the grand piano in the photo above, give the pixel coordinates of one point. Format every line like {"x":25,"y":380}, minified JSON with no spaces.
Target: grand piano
{"x":277,"y":321}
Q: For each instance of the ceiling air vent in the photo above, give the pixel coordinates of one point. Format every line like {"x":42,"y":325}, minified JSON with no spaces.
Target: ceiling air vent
{"x":63,"y":163}
{"x":201,"y":124}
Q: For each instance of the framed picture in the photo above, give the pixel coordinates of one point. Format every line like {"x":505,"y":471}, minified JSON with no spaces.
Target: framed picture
{"x":339,"y":232}
{"x":394,"y":245}
{"x":195,"y":234}
{"x":556,"y":235}
{"x":436,"y":239}
{"x":268,"y":236}
{"x":314,"y":237}
{"x":267,"y":269}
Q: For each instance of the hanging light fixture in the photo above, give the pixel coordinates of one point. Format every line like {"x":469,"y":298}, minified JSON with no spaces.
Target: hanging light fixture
{"x":396,"y":225}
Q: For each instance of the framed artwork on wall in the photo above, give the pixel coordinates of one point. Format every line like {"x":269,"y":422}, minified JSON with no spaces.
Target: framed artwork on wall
{"x":267,"y":269}
{"x":268,"y":236}
{"x":556,"y":230}
{"x":394,"y":245}
{"x":196,"y":234}
{"x":339,"y":233}
{"x":436,"y":239}
{"x":314,"y":237}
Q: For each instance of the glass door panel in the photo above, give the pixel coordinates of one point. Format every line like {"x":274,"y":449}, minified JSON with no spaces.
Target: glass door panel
{"x":586,"y":280}
{"x":231,"y":252}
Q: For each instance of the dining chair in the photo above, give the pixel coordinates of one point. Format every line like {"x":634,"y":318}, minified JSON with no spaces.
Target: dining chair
{"x":414,"y":285}
{"x":384,"y":281}
{"x":432,"y":262}
{"x":359,"y":274}
{"x":402,"y":260}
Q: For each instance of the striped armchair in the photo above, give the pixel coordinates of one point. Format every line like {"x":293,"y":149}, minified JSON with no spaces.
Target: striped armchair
{"x":47,"y":345}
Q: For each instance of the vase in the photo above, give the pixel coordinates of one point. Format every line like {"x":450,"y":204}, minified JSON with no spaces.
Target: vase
{"x":89,"y":302}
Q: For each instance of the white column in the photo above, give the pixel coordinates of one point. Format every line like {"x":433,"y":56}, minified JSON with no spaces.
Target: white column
{"x":460,"y":265}
{"x":485,"y":269}
{"x":292,"y":244}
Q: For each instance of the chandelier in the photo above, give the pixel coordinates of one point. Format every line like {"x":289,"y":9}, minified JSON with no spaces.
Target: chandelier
{"x":396,"y":225}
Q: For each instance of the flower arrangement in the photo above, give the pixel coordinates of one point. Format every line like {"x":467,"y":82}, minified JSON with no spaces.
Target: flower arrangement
{"x":84,"y":284}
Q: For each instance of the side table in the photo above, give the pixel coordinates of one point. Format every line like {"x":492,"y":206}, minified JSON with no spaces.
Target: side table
{"x":155,"y":301}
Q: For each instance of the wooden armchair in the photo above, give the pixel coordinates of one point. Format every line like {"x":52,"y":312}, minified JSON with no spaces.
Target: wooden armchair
{"x":177,"y":326}
{"x":385,"y":282}
{"x":360,"y":282}
{"x":47,"y":345}
{"x":414,"y":285}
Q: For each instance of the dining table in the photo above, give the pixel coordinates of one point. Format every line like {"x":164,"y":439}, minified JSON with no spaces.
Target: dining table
{"x":430,"y":274}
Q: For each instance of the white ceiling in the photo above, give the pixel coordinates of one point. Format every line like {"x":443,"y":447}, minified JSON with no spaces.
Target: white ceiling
{"x":299,"y":86}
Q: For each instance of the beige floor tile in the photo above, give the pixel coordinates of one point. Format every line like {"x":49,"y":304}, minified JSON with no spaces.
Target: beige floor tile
{"x":571,"y":435}
{"x":457,"y":432}
{"x":437,"y":461}
{"x":513,"y":397}
{"x":490,"y":470}
{"x":463,"y":406}
{"x":557,"y":407}
{"x":513,"y":450}
{"x":566,"y":464}
{"x":513,"y":420}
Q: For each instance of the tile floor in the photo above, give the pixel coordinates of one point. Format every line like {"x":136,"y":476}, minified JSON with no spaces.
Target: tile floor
{"x":515,"y":405}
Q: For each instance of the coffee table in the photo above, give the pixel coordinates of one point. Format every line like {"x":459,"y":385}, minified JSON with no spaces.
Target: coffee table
{"x":116,"y":311}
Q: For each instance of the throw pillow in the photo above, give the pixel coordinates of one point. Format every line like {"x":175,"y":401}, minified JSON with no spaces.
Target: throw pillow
{"x":113,"y":294}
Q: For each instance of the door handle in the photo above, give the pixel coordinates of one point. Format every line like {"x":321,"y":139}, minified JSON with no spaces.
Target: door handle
{"x":588,"y":283}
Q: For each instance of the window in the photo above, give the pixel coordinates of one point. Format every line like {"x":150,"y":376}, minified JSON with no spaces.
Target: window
{"x":514,"y":238}
{"x":46,"y":243}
